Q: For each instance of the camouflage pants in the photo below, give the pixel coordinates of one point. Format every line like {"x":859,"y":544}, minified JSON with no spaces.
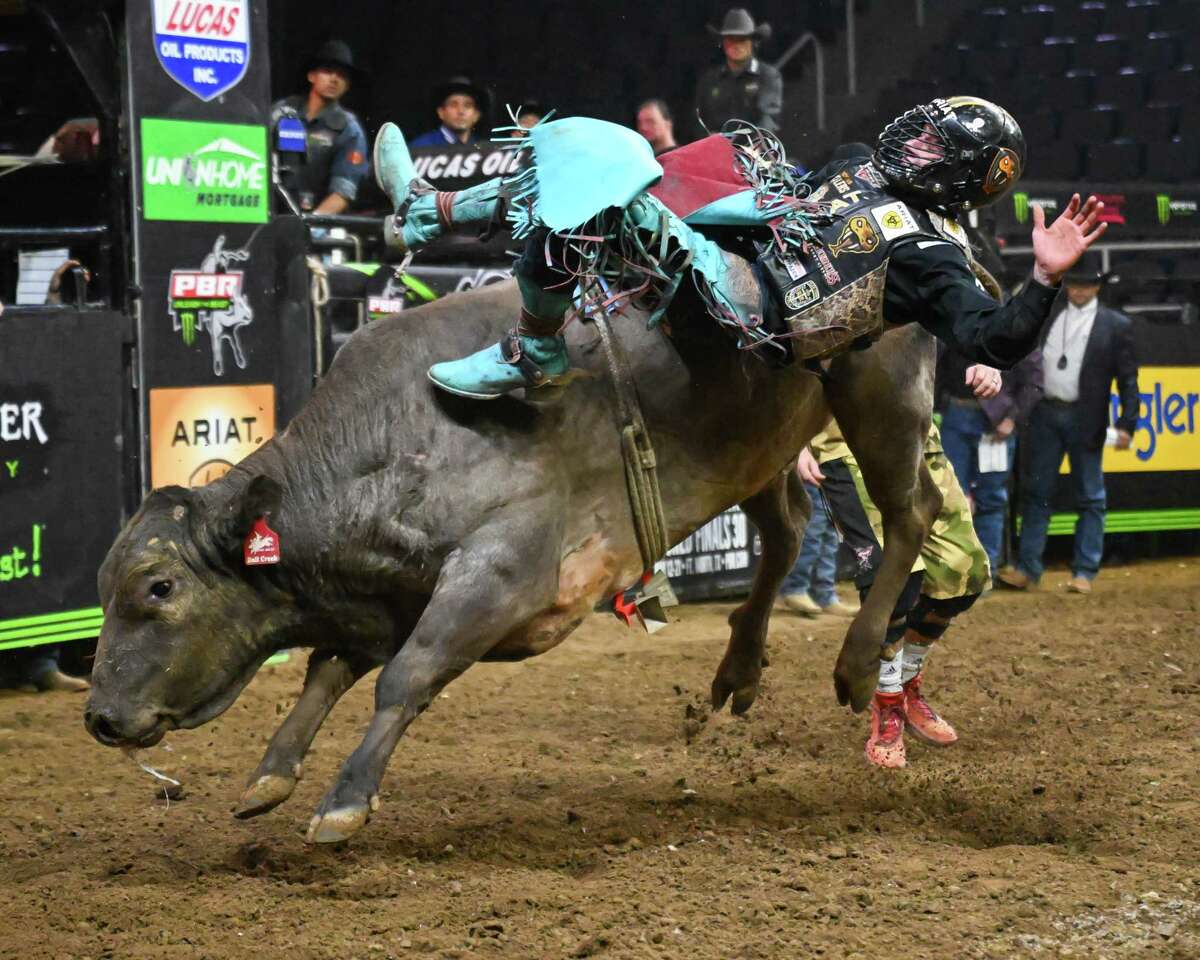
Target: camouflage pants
{"x":952,"y":559}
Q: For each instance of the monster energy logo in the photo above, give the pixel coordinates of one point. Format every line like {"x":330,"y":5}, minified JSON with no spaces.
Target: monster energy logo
{"x":1023,"y":201}
{"x":1021,"y":206}
{"x":1168,"y":208}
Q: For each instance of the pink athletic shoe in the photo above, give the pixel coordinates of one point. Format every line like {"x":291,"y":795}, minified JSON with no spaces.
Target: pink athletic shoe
{"x":922,"y":719}
{"x":885,"y":746}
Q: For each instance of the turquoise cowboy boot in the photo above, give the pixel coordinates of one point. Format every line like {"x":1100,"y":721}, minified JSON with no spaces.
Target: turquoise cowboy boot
{"x":532,"y":355}
{"x":422,"y":214}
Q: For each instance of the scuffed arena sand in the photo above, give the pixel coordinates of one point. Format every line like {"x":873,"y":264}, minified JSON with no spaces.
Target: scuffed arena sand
{"x":585,"y":803}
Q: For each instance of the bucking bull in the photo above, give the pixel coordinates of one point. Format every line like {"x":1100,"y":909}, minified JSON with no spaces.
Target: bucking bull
{"x":422,"y":533}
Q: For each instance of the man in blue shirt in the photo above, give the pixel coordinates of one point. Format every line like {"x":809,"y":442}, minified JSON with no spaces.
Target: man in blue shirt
{"x":461,"y":106}
{"x":327,"y":178}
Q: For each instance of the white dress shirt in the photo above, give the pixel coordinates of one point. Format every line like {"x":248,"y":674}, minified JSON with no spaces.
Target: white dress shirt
{"x":1068,"y":337}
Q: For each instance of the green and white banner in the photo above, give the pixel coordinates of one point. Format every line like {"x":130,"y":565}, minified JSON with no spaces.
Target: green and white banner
{"x":209,"y":172}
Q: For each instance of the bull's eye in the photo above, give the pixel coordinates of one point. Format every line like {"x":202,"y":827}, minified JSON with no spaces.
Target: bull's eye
{"x":161,"y":589}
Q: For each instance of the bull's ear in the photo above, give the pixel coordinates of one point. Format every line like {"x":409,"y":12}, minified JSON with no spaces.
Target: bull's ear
{"x":260,"y":497}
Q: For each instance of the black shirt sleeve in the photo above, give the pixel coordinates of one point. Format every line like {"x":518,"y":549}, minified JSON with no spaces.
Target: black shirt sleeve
{"x":930,"y":283}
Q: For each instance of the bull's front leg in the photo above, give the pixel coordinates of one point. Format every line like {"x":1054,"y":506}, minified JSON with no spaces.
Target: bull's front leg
{"x":491,"y":585}
{"x":780,"y":511}
{"x":329,"y":675}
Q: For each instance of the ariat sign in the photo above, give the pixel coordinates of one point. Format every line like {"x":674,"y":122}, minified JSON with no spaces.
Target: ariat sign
{"x":212,"y":172}
{"x":203,"y":44}
{"x":198,"y":433}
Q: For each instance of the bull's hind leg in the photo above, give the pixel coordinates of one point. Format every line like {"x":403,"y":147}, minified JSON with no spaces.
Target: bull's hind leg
{"x":889,"y":451}
{"x":490,"y":586}
{"x":329,"y":676}
{"x":780,"y":511}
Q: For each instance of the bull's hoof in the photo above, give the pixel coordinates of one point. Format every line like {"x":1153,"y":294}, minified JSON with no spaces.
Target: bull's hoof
{"x":742,"y":686}
{"x":855,"y":687}
{"x":265,"y":793}
{"x":340,"y":823}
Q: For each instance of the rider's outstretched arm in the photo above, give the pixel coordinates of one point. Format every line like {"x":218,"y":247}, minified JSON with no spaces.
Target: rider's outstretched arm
{"x":931,"y":283}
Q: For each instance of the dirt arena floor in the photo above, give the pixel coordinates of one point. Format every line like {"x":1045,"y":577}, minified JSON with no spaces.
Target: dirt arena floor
{"x":586,"y":803}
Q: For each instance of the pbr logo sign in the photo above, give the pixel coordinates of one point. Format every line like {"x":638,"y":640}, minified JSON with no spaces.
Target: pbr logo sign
{"x":212,"y":298}
{"x":203,"y":44}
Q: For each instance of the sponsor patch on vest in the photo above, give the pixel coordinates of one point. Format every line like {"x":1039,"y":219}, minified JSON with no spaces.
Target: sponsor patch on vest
{"x":868,"y":174}
{"x":894,"y":220}
{"x":802,"y":295}
{"x":843,"y":183}
{"x":828,"y":271}
{"x":795,"y":269}
{"x":857,"y":236}
{"x":949,"y":227}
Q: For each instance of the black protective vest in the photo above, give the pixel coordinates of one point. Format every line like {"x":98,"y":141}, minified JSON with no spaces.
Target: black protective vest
{"x":306,"y":178}
{"x":830,"y":293}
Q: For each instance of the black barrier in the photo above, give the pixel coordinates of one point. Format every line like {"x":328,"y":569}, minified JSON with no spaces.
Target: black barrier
{"x":62,"y":462}
{"x":1149,"y":212}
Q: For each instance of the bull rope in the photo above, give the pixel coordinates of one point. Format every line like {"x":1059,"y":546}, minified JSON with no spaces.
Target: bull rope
{"x":641,"y":466}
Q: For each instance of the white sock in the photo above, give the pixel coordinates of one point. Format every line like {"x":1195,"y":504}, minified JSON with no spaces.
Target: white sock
{"x":914,"y":660}
{"x":890,"y":674}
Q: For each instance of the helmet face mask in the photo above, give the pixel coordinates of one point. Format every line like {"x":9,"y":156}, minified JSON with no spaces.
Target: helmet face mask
{"x":958,"y":154}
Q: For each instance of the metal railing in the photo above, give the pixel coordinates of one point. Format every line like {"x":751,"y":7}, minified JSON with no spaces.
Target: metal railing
{"x":819,"y":59}
{"x":1106,"y":250}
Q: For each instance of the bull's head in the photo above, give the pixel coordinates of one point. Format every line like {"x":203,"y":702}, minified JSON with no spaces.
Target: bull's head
{"x":186,"y":625}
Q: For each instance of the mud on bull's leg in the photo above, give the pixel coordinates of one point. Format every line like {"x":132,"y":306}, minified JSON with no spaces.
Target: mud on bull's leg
{"x":497,"y":581}
{"x":329,"y":676}
{"x":780,"y":512}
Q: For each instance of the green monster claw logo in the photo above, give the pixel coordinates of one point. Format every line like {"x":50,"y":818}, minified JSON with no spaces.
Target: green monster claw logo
{"x":1021,"y":206}
{"x":187,"y":320}
{"x":1163,"y":203}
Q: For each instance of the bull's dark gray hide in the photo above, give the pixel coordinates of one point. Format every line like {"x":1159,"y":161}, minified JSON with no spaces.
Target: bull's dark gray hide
{"x":422,"y":532}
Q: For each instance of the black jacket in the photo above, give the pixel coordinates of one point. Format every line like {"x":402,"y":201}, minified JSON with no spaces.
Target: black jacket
{"x":1108,"y":356}
{"x":755,"y":95}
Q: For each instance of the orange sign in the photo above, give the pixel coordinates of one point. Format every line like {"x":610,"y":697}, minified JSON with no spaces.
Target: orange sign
{"x":198,"y":433}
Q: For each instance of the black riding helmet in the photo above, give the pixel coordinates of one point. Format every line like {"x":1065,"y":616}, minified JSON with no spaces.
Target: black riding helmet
{"x":982,"y":153}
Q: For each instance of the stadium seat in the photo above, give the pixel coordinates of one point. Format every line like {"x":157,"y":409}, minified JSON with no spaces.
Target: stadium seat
{"x":1148,"y":124}
{"x":1055,"y":161}
{"x":1152,"y":54}
{"x":1112,"y":162}
{"x":1121,"y":90}
{"x":1179,"y":16}
{"x":1106,"y":57}
{"x":1173,"y":161}
{"x":1088,"y":126}
{"x":1181,"y":88}
{"x":1039,"y":128}
{"x":1052,"y":59}
{"x":1075,"y":21}
{"x":1072,"y":93}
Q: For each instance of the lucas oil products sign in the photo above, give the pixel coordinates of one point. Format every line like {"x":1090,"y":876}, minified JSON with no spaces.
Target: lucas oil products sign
{"x":208,"y":172}
{"x":203,"y":44}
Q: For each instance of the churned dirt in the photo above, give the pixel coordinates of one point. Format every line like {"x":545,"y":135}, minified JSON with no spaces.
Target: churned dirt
{"x":586,"y":803}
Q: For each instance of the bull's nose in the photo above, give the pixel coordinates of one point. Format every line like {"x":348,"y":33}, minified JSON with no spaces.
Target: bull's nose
{"x":101,"y":726}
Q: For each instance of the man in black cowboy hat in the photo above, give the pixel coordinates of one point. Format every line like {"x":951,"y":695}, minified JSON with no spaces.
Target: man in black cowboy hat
{"x":1085,"y":347}
{"x":461,"y":104}
{"x":327,"y":177}
{"x":743,"y":87}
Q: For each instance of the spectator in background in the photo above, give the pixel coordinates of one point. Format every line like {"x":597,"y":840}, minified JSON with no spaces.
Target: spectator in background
{"x":811,"y":588}
{"x":743,"y":87}
{"x":1086,"y":347}
{"x":461,"y":105}
{"x":979,"y":437}
{"x":654,"y":122}
{"x":335,"y":162}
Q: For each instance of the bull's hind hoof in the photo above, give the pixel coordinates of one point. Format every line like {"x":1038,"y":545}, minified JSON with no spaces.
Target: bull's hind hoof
{"x":265,"y":793}
{"x":340,"y":823}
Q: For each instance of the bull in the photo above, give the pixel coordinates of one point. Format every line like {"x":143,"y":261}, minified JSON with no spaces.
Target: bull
{"x":422,"y":533}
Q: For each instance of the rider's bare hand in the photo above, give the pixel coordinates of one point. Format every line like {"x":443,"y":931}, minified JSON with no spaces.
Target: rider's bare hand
{"x":1056,"y":248}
